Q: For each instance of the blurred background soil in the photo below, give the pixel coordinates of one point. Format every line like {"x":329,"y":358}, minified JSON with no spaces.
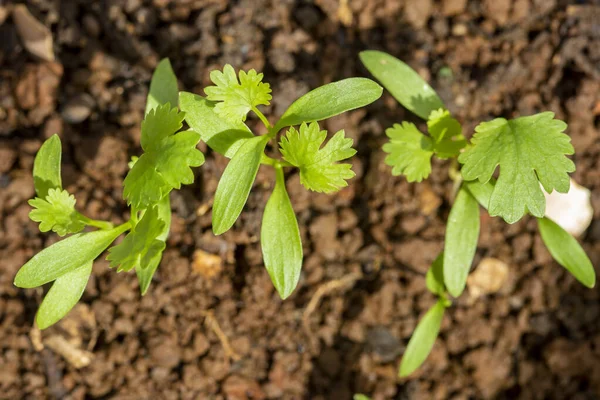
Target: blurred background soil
{"x":212,"y":326}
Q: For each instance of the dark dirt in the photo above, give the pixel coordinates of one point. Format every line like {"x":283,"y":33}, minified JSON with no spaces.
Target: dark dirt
{"x":537,"y":338}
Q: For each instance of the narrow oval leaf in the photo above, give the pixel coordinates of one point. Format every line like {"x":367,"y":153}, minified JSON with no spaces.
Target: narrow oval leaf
{"x":65,"y":256}
{"x":222,"y":136}
{"x":280,"y":239}
{"x":236,"y":182}
{"x":329,"y":100}
{"x":567,"y":251}
{"x":481,"y":191}
{"x":461,"y":238}
{"x":163,"y":86}
{"x":422,"y":339}
{"x":404,"y":83}
{"x":46,"y":167}
{"x":434,"y":278}
{"x":63,"y":295}
{"x":146,"y":272}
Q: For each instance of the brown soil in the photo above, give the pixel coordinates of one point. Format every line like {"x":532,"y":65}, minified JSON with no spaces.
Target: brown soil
{"x":216,"y":329}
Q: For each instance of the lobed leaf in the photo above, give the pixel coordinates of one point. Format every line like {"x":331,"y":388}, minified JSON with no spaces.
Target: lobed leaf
{"x":528,"y":150}
{"x":319,"y":170}
{"x":446,"y":133}
{"x":163,"y":86}
{"x":280,"y":239}
{"x":330,"y":100}
{"x":63,"y":295}
{"x":422,"y":339}
{"x":236,"y":182}
{"x":409,"y":152}
{"x":46,"y":167}
{"x":56,"y":212}
{"x":65,"y":256}
{"x":462,"y":233}
{"x":567,"y":251}
{"x":402,"y":82}
{"x":481,"y":191}
{"x":221,"y":135}
{"x":141,"y":245}
{"x":235,"y":99}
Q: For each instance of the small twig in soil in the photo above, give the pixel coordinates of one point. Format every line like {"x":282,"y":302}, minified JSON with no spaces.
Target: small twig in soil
{"x":74,"y":356}
{"x":343,"y":283}
{"x":211,"y":322}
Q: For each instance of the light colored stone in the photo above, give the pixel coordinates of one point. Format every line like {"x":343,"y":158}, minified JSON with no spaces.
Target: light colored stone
{"x":572,"y":211}
{"x":489,"y":277}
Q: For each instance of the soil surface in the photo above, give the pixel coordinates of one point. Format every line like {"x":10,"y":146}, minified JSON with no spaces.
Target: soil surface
{"x":212,"y":326}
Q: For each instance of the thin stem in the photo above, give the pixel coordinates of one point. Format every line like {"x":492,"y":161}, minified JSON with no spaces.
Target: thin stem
{"x":262,"y":117}
{"x":456,"y":176}
{"x":96,"y":223}
{"x":266,"y":160}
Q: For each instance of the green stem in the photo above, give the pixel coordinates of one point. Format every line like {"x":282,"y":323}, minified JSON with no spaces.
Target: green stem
{"x":456,"y":176}
{"x":262,"y":117}
{"x":266,"y":160}
{"x":95,"y":222}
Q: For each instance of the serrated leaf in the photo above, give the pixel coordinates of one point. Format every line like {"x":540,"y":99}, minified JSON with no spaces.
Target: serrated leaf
{"x":422,"y":339}
{"x":409,"y":152}
{"x":46,"y":167}
{"x":146,"y":272}
{"x":462,"y":234}
{"x":319,"y":169}
{"x":528,"y":150}
{"x":64,"y":256}
{"x":167,"y":161}
{"x":56,"y":212}
{"x":434,"y":278}
{"x":163,"y":86}
{"x":280,"y":239}
{"x":481,"y":191}
{"x":236,"y":182}
{"x":237,"y":98}
{"x":63,"y":295}
{"x":330,"y":100}
{"x":141,"y":245}
{"x":446,"y":133}
{"x":565,"y":249}
{"x":222,"y":136}
{"x":402,"y":82}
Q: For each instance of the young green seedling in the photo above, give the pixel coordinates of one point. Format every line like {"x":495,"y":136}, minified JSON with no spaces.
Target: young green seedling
{"x":219,"y":118}
{"x":530,"y":153}
{"x":164,"y":166}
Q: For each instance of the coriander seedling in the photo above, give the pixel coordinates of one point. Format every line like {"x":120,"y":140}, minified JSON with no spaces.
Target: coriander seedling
{"x":219,"y":118}
{"x":165,"y":165}
{"x":530,"y":153}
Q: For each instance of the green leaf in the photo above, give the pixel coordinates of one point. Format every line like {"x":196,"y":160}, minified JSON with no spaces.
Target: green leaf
{"x":319,"y":170}
{"x":446,"y":133}
{"x":529,"y":150}
{"x":422,"y":340}
{"x":237,"y":98}
{"x":167,"y":161}
{"x":330,"y":100}
{"x":163,"y":86}
{"x":64,"y":256}
{"x":481,"y":191}
{"x":409,"y":152}
{"x":236,"y":182}
{"x":461,"y":238}
{"x":360,"y":396}
{"x":46,"y":167}
{"x":222,"y":136}
{"x":146,"y":272}
{"x":56,"y":212}
{"x":567,"y":251}
{"x":141,"y":245}
{"x":280,"y":239}
{"x":63,"y":295}
{"x":435,"y":276}
{"x":402,"y":82}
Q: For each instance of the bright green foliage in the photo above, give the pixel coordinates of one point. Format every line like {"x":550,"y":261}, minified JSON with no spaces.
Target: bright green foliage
{"x":56,"y":212}
{"x":446,"y":133}
{"x":462,"y":234}
{"x":529,"y":150}
{"x":567,"y":252}
{"x":63,"y":295}
{"x":360,"y":396}
{"x":46,"y":167}
{"x":435,"y":276}
{"x":280,"y":239}
{"x":237,"y":98}
{"x":422,"y":340}
{"x":166,"y":161}
{"x":141,"y":245}
{"x":409,"y":152}
{"x":319,"y":170}
{"x":163,"y":87}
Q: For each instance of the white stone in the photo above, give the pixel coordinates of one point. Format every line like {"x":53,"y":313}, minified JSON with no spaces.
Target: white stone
{"x":572,"y":211}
